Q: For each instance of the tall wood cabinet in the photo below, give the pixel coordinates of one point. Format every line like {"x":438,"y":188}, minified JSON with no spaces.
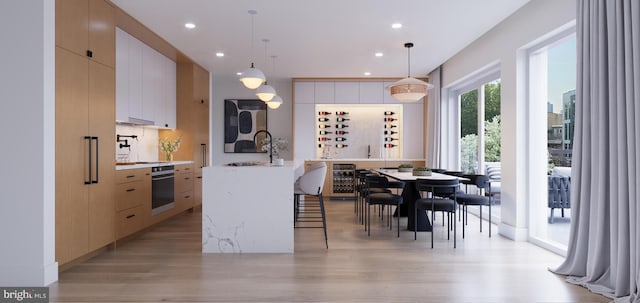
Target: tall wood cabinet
{"x":85,"y":124}
{"x":193,"y":121}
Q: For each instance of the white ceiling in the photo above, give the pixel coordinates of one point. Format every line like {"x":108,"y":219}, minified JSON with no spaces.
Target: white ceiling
{"x":327,"y":38}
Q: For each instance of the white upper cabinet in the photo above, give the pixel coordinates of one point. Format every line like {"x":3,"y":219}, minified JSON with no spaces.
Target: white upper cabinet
{"x":371,"y":92}
{"x":324,"y":92}
{"x":145,"y":83}
{"x":304,"y":92}
{"x":347,"y":92}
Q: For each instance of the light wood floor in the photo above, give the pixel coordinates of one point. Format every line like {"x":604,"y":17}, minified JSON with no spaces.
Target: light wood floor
{"x":165,"y":265}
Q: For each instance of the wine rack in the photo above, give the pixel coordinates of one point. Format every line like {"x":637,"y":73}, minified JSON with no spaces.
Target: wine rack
{"x":390,"y":123}
{"x":344,"y":178}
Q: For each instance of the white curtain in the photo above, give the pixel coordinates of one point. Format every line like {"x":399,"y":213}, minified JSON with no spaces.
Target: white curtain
{"x":604,"y":245}
{"x":434,"y":113}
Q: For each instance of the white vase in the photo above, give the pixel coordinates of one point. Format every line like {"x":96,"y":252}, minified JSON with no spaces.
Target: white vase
{"x":278,"y":162}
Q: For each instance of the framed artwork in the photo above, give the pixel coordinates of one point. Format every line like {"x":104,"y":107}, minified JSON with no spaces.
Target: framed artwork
{"x":243,"y":118}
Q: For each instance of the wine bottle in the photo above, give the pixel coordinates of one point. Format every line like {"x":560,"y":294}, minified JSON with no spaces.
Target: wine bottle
{"x":341,"y":125}
{"x":324,"y":113}
{"x":390,"y":126}
{"x":342,"y":113}
{"x":324,"y":139}
{"x":319,"y":145}
{"x":341,"y":139}
{"x":390,"y":139}
{"x":341,"y":132}
{"x":324,"y":126}
{"x":324,"y":132}
{"x":341,"y":119}
{"x":390,"y":132}
{"x":323,"y":119}
{"x":341,"y":145}
{"x":388,"y":113}
{"x":389,"y":119}
{"x":389,"y":145}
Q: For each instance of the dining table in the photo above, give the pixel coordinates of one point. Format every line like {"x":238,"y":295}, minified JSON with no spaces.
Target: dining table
{"x":420,"y":220}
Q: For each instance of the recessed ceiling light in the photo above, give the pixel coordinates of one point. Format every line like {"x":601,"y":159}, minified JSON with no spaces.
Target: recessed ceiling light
{"x":379,"y":54}
{"x":219,"y":54}
{"x":189,"y":25}
{"x":396,"y":25}
{"x":367,"y":74}
{"x":239,"y":73}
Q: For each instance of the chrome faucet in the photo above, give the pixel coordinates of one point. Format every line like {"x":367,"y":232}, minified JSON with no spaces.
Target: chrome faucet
{"x":270,"y":143}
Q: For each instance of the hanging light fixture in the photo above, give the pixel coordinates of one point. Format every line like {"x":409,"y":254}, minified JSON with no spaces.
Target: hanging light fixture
{"x":265,"y":92}
{"x":276,"y":101}
{"x":252,"y":77}
{"x":409,"y":89}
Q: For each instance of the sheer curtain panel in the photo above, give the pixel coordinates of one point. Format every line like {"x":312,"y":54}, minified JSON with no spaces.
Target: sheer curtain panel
{"x":604,"y":246}
{"x":434,"y":113}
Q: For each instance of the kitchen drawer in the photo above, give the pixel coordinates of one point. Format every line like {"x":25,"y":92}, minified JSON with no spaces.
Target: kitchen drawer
{"x":131,"y":194}
{"x":183,"y":182}
{"x":183,"y":169}
{"x":130,"y":175}
{"x":130,"y":221}
{"x":184,"y":200}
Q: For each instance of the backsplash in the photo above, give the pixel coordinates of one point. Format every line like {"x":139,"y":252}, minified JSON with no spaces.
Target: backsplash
{"x":144,"y":148}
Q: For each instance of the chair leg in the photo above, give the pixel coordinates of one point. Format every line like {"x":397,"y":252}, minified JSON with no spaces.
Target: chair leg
{"x":368,"y":225}
{"x":415,"y":222}
{"x":480,"y":218}
{"x":454,"y":229}
{"x":398,"y":225}
{"x":432,"y":226}
{"x":324,"y":221}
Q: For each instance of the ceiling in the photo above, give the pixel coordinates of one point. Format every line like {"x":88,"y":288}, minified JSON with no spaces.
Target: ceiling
{"x":328,"y":38}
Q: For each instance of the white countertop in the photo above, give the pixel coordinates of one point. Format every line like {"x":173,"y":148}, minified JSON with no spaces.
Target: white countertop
{"x":150,"y":164}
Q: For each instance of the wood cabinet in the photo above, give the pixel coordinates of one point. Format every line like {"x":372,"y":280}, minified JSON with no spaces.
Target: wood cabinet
{"x":86,"y":28}
{"x":183,"y":189}
{"x":133,"y":200}
{"x":192,"y":121}
{"x":85,"y":122}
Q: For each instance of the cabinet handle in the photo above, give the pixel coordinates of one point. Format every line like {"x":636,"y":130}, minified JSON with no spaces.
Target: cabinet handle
{"x":97,"y":160}
{"x":89,"y":53}
{"x":131,"y":176}
{"x":131,"y":216}
{"x":204,"y":153}
{"x":88,"y":139}
{"x":131,"y":189}
{"x":187,"y":178}
{"x":187,"y":197}
{"x":199,"y":177}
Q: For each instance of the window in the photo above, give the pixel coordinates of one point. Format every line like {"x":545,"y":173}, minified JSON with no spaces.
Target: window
{"x":552,"y":91}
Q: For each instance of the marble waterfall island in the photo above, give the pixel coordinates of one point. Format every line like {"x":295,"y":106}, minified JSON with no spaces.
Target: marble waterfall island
{"x":247,"y":209}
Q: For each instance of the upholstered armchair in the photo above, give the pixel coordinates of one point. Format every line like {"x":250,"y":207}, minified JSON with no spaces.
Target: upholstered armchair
{"x":559,"y":194}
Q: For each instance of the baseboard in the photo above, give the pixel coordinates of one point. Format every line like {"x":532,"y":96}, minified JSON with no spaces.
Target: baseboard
{"x":513,"y":233}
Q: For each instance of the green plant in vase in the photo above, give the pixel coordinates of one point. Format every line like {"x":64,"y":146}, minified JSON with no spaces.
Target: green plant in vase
{"x":169,"y":147}
{"x":422,"y":171}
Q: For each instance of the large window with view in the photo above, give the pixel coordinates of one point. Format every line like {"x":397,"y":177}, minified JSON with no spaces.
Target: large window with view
{"x":552,"y":66}
{"x":480,"y":135}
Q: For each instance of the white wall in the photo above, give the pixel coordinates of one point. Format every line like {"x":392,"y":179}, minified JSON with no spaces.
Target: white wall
{"x":505,"y":44}
{"x":27,"y":91}
{"x":278,"y":120}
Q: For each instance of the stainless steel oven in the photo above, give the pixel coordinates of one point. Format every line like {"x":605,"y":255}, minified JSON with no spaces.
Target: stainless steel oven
{"x":162,"y":178}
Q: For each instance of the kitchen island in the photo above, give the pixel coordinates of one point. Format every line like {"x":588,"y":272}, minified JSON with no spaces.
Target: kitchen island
{"x":248,"y":209}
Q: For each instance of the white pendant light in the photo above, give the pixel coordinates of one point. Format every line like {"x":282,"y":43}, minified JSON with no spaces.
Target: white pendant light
{"x":275,"y":102}
{"x":252,"y":77}
{"x":265,"y":92}
{"x":409,"y":89}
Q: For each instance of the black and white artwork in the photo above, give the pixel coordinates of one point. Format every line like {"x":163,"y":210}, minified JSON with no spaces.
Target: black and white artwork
{"x":242,"y":119}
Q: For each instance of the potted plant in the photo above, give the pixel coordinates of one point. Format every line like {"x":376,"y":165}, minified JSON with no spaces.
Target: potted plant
{"x":405,"y":168}
{"x":422,"y":171}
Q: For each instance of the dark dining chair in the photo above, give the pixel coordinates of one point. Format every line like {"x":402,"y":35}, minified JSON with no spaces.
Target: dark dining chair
{"x":483,"y":198}
{"x":385,"y":198}
{"x":440,"y":196}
